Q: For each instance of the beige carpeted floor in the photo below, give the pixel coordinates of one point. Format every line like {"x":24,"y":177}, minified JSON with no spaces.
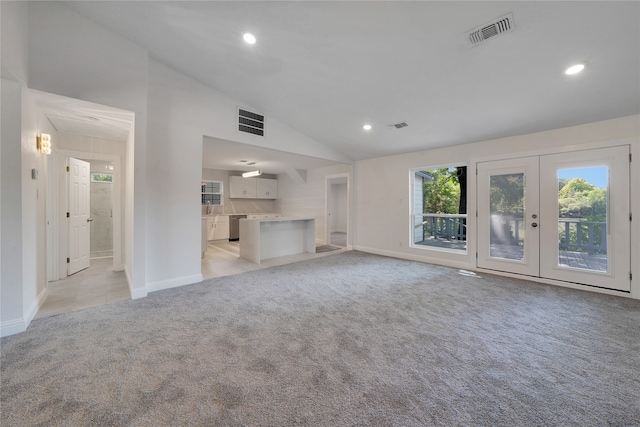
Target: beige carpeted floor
{"x":349,"y":339}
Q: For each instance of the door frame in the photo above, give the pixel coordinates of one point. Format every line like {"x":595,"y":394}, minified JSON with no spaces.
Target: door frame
{"x":336,"y":179}
{"x":57,"y":222}
{"x":634,"y":204}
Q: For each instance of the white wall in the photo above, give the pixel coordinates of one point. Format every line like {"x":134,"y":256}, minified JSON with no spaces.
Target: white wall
{"x":308,"y":199}
{"x":72,"y":56}
{"x":11,"y":298}
{"x":23,"y":237}
{"x":33,"y":208}
{"x":383,"y":186}
{"x":180,"y":112}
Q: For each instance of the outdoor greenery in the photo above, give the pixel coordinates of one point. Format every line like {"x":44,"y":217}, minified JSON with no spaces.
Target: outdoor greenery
{"x":101,"y":177}
{"x":442,"y":194}
{"x":507,"y":195}
{"x":579,"y":199}
{"x":587,"y":203}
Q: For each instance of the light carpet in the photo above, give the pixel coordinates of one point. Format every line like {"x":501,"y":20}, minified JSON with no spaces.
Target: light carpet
{"x":350,"y":339}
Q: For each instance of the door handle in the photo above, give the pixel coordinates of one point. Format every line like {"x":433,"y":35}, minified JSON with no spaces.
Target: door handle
{"x":89,"y":219}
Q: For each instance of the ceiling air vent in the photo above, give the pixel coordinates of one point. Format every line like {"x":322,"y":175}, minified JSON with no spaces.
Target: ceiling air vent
{"x":249,"y":122}
{"x":491,"y":29}
{"x":399,"y":125}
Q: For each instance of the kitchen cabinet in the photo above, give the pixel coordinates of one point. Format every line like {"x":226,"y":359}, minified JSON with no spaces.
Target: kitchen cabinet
{"x":253,"y":188}
{"x":218,"y":227}
{"x":267,"y":188}
{"x":242,"y":188}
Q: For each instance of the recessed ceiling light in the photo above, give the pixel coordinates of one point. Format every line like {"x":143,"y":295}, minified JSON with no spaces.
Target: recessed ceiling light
{"x":366,"y":127}
{"x":574,"y":69}
{"x":249,"y":38}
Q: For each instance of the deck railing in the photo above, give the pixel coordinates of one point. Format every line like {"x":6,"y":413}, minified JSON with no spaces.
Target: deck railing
{"x":443,"y":226}
{"x":573,"y":234}
{"x":582,"y":236}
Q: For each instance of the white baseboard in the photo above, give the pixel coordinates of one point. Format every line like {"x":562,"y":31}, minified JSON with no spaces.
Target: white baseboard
{"x":135,"y":293}
{"x":12,"y":327}
{"x":174,"y":283}
{"x":411,"y":257}
{"x":35,"y":306}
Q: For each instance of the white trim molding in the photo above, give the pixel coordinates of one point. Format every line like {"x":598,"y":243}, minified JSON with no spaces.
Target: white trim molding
{"x":173,"y":283}
{"x":12,"y":327}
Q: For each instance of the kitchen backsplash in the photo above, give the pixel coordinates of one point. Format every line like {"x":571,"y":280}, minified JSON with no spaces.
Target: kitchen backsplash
{"x":240,"y":206}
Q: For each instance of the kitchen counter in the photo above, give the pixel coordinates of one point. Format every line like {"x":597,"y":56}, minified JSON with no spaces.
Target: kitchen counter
{"x":267,"y":238}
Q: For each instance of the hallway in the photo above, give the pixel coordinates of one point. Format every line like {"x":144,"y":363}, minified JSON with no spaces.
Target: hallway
{"x":95,"y":286}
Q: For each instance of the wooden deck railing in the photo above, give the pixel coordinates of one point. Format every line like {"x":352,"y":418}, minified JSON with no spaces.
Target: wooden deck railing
{"x":582,"y":236}
{"x":573,"y":235}
{"x":443,"y":226}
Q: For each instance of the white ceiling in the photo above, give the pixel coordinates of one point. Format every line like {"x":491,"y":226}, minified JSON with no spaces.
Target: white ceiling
{"x":326,"y":68}
{"x":227,"y":155}
{"x":78,"y":117}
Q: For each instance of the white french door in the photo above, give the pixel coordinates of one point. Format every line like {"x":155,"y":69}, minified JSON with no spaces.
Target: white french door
{"x":560,"y":216}
{"x":79,"y":215}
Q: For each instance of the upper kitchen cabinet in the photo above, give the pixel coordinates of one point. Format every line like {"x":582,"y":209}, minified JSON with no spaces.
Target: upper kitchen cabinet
{"x":267,"y":188}
{"x":242,"y":188}
{"x":252,"y":188}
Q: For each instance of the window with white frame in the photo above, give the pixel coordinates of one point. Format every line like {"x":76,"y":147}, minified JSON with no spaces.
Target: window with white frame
{"x":439,"y":217}
{"x":212,"y":193}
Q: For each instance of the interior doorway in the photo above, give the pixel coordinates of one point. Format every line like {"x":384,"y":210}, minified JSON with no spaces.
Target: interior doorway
{"x":337,"y":212}
{"x":97,"y":140}
{"x":560,"y":216}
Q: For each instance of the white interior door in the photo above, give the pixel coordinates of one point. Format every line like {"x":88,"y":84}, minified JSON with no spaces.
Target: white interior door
{"x":79,"y":215}
{"x":561,"y":216}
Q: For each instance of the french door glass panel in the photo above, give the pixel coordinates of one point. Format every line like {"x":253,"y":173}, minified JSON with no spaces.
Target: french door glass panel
{"x":507,"y":215}
{"x":561,"y":216}
{"x":586,"y":230}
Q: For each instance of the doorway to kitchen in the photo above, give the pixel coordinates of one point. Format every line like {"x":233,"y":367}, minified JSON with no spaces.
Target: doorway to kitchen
{"x":337,"y":210}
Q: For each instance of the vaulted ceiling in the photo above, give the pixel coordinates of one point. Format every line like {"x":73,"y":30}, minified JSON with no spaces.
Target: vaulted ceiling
{"x":328,"y":68}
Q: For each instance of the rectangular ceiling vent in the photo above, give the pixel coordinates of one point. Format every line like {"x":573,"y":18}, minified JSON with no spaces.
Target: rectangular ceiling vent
{"x":491,"y":29}
{"x":249,"y":122}
{"x":399,"y":125}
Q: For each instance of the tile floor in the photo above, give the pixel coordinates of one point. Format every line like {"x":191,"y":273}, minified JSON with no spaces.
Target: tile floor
{"x":223,"y":259}
{"x":92,"y":287}
{"x":100,"y":285}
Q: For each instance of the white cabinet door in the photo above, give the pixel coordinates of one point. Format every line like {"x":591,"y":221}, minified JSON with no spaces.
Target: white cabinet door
{"x":221,"y":231}
{"x":267,"y":188}
{"x":242,"y":188}
{"x":236,"y":187}
{"x":218,"y":227}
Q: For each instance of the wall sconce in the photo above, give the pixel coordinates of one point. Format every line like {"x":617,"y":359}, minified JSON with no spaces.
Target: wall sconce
{"x":44,"y":143}
{"x":252,"y":173}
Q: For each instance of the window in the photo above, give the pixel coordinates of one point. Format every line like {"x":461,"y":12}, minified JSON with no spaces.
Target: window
{"x":439,"y":217}
{"x":212,"y":193}
{"x":102,"y":177}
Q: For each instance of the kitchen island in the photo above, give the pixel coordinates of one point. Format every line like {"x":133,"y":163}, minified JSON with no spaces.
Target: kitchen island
{"x":262,"y":239}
